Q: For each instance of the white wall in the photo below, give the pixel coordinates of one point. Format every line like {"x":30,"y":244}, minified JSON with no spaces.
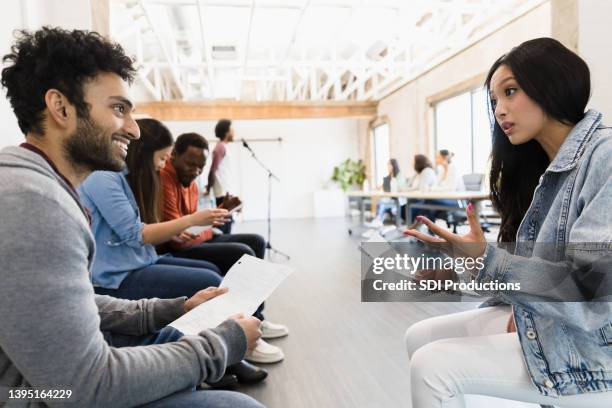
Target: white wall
{"x":10,"y":18}
{"x":594,"y":32}
{"x":303,"y":161}
{"x":410,"y":117}
{"x":33,"y":14}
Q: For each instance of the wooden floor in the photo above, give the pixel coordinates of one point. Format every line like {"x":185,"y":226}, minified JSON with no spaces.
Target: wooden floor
{"x":340,"y":352}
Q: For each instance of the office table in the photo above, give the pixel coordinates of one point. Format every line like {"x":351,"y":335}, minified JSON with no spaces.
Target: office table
{"x":474,"y":197}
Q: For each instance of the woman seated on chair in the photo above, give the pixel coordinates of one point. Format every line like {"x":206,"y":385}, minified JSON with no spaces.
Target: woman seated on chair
{"x":424,"y":179}
{"x":551,"y":181}
{"x":394,"y":181}
{"x":449,"y":178}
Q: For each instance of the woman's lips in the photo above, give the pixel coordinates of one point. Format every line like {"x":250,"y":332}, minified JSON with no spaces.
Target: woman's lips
{"x":507,"y":127}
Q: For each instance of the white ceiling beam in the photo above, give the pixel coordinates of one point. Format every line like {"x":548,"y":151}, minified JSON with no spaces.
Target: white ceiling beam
{"x":295,"y":31}
{"x":498,"y":22}
{"x":462,"y":6}
{"x":377,"y":69}
{"x":246,"y":50}
{"x":173,"y":72}
{"x":207,"y":50}
{"x":152,"y":89}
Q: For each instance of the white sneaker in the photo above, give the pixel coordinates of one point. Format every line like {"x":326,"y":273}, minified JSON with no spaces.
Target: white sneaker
{"x":368,"y":233}
{"x":264,"y":353}
{"x":271,"y":330}
{"x":375,"y":223}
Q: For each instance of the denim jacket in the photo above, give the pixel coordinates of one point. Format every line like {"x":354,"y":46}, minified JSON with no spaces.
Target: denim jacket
{"x":567,"y":346}
{"x":117,"y":228}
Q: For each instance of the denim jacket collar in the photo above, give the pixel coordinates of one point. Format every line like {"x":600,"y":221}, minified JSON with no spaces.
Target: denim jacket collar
{"x":573,"y":146}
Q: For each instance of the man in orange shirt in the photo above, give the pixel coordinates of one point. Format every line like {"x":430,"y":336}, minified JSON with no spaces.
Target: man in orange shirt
{"x":180,"y":198}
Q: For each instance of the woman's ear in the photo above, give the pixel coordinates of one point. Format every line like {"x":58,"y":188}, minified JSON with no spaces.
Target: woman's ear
{"x":58,"y":107}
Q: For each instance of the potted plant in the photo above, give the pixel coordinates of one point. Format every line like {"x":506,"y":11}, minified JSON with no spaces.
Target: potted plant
{"x":349,"y":173}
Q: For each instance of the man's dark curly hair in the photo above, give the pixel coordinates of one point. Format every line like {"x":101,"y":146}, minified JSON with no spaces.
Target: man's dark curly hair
{"x":54,"y":58}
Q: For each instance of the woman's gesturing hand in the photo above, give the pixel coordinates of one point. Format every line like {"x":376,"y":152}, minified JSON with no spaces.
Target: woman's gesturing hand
{"x":471,"y":245}
{"x":211,"y":216}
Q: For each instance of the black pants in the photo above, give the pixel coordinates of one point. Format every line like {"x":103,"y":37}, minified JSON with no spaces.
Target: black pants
{"x":224,"y":250}
{"x":227,"y":227}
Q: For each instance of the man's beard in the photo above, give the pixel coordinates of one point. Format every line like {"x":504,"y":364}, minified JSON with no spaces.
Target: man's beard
{"x":91,"y":148}
{"x":186,"y":181}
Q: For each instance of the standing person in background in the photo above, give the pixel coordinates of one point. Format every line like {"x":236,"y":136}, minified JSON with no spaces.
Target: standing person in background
{"x":220,"y":175}
{"x":449,"y":178}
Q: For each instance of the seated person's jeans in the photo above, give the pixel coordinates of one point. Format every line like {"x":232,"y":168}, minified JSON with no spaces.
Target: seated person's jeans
{"x":168,"y":278}
{"x":187,"y":398}
{"x":386,"y":205}
{"x":431,"y":214}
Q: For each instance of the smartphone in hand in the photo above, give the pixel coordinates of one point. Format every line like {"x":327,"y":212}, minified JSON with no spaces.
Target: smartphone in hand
{"x":231,"y":203}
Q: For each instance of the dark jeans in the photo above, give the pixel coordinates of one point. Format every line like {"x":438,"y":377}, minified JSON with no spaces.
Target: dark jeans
{"x":188,"y":398}
{"x":431,"y":214}
{"x":169,"y":278}
{"x":166,"y":335}
{"x":227,"y":227}
{"x":224,"y":250}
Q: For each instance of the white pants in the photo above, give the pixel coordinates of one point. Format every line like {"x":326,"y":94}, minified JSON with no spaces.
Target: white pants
{"x":471,"y":353}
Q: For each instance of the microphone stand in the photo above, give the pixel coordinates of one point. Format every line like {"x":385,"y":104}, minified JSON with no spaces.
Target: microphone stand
{"x":271,"y":176}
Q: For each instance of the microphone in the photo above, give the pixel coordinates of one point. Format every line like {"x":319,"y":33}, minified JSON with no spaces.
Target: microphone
{"x":245,"y":144}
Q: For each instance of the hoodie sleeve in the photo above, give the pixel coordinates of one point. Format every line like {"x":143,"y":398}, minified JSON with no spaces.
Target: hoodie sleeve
{"x":51,"y":327}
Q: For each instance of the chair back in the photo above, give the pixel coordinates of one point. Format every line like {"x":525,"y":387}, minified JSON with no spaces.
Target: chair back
{"x":473,"y":182}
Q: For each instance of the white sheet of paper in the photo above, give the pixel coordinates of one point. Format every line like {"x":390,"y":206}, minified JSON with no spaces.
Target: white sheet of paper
{"x":197,"y":229}
{"x":250,"y":281}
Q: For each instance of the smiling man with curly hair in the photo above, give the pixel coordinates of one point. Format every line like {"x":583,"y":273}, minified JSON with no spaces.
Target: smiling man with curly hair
{"x":69,"y":91}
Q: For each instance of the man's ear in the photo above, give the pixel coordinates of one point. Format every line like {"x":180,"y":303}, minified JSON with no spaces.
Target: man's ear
{"x":60,"y":110}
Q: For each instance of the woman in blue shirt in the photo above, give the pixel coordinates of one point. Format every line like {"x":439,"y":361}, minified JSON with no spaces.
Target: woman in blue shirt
{"x":551,"y":181}
{"x":126,"y":264}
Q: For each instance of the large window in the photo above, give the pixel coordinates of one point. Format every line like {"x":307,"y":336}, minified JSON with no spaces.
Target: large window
{"x":380,"y":157}
{"x":462,"y":126}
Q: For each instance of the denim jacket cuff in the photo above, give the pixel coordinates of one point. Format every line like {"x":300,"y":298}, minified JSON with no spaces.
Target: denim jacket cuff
{"x":495,"y":262}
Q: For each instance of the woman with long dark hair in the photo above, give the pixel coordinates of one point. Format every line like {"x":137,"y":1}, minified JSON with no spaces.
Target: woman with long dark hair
{"x":127,"y":227}
{"x":425,"y":177}
{"x":145,"y":157}
{"x":549,"y":342}
{"x":424,"y":180}
{"x":394,"y":181}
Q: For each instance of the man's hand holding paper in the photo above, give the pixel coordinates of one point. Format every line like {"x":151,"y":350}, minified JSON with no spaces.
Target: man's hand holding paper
{"x":250,"y":281}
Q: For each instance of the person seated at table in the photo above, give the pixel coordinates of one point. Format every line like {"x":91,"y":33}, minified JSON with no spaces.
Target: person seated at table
{"x":449,"y":178}
{"x":394,"y":181}
{"x":424,"y":180}
{"x":180,"y":199}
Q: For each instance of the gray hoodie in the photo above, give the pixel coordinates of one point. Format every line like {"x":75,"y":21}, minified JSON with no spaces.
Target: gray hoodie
{"x":52,"y":323}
